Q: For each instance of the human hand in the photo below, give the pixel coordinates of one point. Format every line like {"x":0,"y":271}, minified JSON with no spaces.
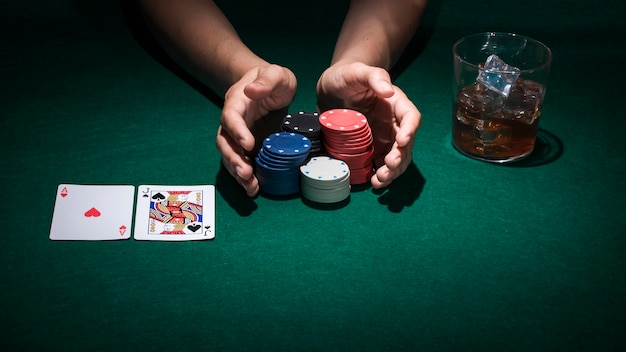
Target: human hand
{"x":259,"y":92}
{"x":393,"y":118}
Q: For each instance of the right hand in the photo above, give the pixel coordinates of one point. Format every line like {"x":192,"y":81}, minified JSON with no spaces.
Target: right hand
{"x":394,"y":119}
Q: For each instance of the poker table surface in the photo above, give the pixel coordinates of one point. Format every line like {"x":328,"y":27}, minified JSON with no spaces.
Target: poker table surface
{"x":456,"y":254}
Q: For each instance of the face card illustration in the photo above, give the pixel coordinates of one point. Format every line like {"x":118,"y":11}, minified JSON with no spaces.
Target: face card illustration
{"x":92,"y":212}
{"x":175,"y":213}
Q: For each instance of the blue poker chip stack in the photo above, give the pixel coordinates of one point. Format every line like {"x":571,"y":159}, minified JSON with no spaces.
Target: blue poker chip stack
{"x":278,"y":163}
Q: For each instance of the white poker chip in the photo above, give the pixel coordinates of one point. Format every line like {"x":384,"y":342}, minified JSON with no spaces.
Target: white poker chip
{"x":325,"y":180}
{"x":325,"y":168}
{"x":326,"y":196}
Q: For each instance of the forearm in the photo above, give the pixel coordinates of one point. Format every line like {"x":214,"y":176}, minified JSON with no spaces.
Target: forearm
{"x":197,"y":35}
{"x":375,"y":32}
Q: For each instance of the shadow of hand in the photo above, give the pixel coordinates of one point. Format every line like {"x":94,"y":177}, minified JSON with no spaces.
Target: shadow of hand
{"x":403,"y":191}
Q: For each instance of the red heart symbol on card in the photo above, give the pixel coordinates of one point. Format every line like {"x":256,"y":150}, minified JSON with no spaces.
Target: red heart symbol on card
{"x":93,"y":212}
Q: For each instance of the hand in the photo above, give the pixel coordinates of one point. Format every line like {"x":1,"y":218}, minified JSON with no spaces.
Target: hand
{"x":259,"y":92}
{"x":394,"y":119}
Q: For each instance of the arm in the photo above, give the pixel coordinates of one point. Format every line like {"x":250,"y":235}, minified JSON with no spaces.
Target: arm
{"x":197,"y":35}
{"x":376,"y":32}
{"x":372,"y":37}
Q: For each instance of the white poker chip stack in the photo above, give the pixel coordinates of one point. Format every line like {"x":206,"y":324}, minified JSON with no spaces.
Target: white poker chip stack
{"x":325,"y":180}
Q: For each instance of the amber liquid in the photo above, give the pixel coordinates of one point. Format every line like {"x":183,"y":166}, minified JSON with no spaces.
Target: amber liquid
{"x":492,"y":127}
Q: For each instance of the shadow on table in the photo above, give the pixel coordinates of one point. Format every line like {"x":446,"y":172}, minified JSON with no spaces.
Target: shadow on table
{"x":548,"y":148}
{"x":403,"y":191}
{"x":420,"y":40}
{"x":233,"y":193}
{"x":139,"y":30}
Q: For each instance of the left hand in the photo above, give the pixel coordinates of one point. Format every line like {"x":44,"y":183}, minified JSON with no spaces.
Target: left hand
{"x":393,"y":118}
{"x":247,"y":105}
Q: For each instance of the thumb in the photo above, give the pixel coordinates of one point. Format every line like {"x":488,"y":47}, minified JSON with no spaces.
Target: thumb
{"x":267,"y":79}
{"x":258,"y":89}
{"x":375,"y":78}
{"x":380,"y":82}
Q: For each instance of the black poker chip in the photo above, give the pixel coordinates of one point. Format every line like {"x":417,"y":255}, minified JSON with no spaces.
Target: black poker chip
{"x":306,"y":124}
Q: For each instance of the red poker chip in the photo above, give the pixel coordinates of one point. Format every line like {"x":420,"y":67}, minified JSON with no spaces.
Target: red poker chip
{"x":349,"y":134}
{"x":355,"y":161}
{"x":338,"y":141}
{"x":361,"y":166}
{"x":343,"y":120}
{"x":339,"y":144}
{"x":361,"y":176}
{"x":342,"y":138}
{"x":348,"y":150}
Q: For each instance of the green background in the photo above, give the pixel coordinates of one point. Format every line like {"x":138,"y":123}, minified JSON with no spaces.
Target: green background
{"x":456,"y":255}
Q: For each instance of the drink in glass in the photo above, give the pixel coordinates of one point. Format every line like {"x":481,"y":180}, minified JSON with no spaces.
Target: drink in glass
{"x":496,"y":118}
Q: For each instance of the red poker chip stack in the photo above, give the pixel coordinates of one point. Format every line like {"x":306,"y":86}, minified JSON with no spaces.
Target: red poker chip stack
{"x":347,"y":136}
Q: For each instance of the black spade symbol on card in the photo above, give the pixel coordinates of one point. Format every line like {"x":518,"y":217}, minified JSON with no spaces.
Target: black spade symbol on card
{"x":158,"y":196}
{"x":194,"y":228}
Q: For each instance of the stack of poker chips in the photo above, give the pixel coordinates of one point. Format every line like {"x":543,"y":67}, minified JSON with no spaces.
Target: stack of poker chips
{"x":347,"y":136}
{"x":325,"y":180}
{"x":278,"y":162}
{"x":308,"y":125}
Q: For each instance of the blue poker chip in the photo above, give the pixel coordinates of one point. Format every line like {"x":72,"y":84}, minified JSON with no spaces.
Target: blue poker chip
{"x":276,"y":179}
{"x":281,"y":161}
{"x":269,"y":167}
{"x":278,"y":187}
{"x":287,"y":143}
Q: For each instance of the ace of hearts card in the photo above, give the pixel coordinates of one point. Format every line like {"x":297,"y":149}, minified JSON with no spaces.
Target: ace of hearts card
{"x":175,"y":213}
{"x":92,"y":212}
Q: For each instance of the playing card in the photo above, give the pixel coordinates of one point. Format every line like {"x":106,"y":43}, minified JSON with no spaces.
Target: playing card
{"x":175,"y":213}
{"x":92,"y":212}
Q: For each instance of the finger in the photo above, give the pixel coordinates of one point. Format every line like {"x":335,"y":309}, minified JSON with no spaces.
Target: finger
{"x":233,"y":122}
{"x":259,"y":89}
{"x":251,"y":187}
{"x":382,"y":177}
{"x":380,"y":82}
{"x":267,"y":80}
{"x":375,"y":78}
{"x":408,"y":117}
{"x":396,"y":163}
{"x":236,"y":163}
{"x":233,"y":158}
{"x":393,"y":159}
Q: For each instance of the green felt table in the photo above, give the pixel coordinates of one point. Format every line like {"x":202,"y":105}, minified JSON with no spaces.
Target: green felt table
{"x":456,"y":255}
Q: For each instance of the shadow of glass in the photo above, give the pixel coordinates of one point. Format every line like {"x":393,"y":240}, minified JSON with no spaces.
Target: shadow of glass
{"x":403,"y":191}
{"x":548,"y":148}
